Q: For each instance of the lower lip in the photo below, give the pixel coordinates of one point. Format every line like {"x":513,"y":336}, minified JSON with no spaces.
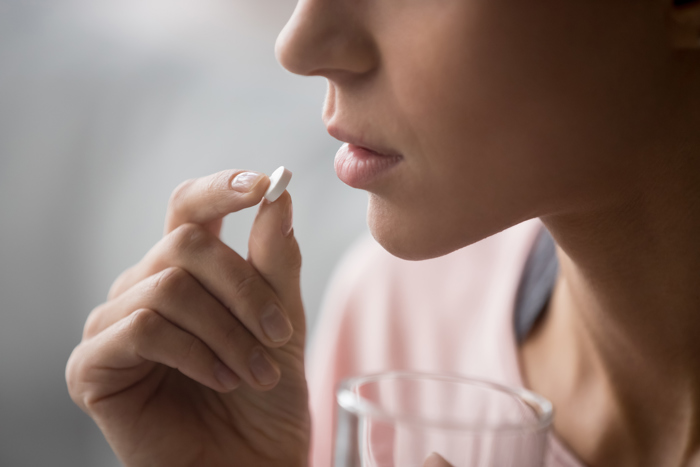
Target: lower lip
{"x":360,"y":167}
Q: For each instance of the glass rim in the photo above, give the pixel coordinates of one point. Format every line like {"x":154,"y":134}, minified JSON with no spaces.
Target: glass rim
{"x":354,"y":403}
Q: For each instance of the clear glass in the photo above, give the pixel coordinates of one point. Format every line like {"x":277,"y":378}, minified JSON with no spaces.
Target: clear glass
{"x":402,"y":419}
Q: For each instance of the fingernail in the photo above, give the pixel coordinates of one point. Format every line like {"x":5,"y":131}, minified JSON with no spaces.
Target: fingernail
{"x":226,"y":377}
{"x":275,"y":324}
{"x":263,"y":370}
{"x":245,"y":181}
{"x":288,"y":220}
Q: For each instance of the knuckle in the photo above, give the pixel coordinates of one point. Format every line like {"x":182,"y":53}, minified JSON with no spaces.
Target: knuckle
{"x":76,"y":374}
{"x":143,"y":322}
{"x":247,"y":286}
{"x":118,"y":284}
{"x":190,"y":352}
{"x":191,"y":237}
{"x":294,"y":257}
{"x":171,"y":281}
{"x":238,"y":335}
{"x":72,"y":375}
{"x":92,"y":323}
{"x":180,"y":193}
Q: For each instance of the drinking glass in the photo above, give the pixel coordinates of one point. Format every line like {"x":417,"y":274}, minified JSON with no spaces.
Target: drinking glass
{"x":403,"y":419}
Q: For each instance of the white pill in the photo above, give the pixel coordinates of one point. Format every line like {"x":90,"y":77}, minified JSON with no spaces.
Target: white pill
{"x":278,"y":183}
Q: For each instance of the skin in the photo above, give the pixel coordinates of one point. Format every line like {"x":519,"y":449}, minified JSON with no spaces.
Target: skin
{"x":147,"y":370}
{"x":582,"y":113}
{"x":509,"y":126}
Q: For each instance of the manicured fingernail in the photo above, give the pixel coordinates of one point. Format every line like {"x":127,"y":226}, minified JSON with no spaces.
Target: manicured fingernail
{"x":245,"y":181}
{"x":288,"y":220}
{"x":226,"y":377}
{"x":263,"y":370}
{"x":275,"y":324}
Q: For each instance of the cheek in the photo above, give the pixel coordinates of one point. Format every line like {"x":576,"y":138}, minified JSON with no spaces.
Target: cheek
{"x":509,"y":112}
{"x":455,"y":90}
{"x":460,"y":174}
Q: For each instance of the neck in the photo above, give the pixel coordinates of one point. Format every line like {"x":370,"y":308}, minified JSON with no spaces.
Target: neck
{"x":622,"y":333}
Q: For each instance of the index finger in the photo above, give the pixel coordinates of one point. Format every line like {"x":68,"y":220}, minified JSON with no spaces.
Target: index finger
{"x":206,"y":200}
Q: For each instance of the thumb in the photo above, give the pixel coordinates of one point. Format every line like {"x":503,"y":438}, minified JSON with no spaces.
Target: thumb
{"x":274,"y":252}
{"x":436,"y":460}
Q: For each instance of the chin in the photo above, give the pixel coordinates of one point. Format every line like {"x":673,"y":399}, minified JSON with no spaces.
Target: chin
{"x":411,"y":237}
{"x":424,"y":234}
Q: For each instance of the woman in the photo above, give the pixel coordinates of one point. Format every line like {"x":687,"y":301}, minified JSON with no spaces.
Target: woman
{"x":463,"y":118}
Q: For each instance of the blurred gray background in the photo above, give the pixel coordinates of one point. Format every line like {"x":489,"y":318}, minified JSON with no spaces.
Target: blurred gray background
{"x":105,"y":106}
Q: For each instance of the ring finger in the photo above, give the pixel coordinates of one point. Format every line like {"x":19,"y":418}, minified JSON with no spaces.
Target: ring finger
{"x":177,"y":296}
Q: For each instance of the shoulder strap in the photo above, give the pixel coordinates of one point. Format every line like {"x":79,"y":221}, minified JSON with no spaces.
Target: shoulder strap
{"x":536,"y":284}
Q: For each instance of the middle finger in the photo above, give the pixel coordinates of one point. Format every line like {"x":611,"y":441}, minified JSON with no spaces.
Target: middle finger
{"x":181,"y":299}
{"x":222,"y":272}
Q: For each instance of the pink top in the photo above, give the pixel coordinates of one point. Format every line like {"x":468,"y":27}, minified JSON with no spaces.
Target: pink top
{"x":452,"y":314}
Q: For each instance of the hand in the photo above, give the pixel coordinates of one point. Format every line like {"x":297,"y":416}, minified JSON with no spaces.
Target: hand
{"x":185,"y":364}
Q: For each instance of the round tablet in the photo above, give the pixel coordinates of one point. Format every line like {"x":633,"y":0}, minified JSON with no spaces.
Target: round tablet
{"x":278,"y":183}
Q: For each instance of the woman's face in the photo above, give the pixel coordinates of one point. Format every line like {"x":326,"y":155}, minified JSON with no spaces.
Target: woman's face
{"x":500,"y":110}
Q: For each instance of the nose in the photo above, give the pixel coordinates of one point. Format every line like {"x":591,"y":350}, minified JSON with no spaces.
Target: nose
{"x":327,"y":38}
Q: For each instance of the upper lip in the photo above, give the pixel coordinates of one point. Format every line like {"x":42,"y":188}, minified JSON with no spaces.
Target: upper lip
{"x":346,"y":137}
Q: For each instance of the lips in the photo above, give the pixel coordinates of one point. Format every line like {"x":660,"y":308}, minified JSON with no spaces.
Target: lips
{"x":346,"y":137}
{"x":360,"y":165}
